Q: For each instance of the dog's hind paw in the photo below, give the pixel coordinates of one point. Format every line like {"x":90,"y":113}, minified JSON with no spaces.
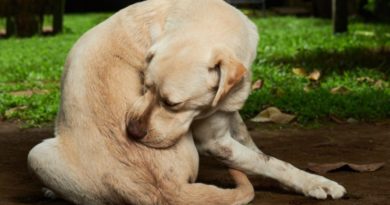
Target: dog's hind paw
{"x":321,"y":188}
{"x":48,"y":193}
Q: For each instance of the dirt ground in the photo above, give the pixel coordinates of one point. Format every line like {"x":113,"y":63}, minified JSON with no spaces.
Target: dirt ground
{"x":357,"y":143}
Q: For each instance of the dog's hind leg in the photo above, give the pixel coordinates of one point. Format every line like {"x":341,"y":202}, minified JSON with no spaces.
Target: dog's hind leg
{"x":48,"y":165}
{"x":173,"y":192}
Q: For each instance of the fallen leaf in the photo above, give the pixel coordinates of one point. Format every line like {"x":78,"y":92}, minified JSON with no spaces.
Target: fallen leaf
{"x":327,"y":167}
{"x":22,"y":93}
{"x":365,"y":79}
{"x":299,"y":71}
{"x":340,"y":90}
{"x":8,"y":113}
{"x":365,"y":33}
{"x":315,"y":75}
{"x":273,"y":114}
{"x":380,"y":84}
{"x":352,"y":120}
{"x":257,"y":85}
{"x":282,"y":118}
{"x":336,"y":119}
{"x":28,"y":93}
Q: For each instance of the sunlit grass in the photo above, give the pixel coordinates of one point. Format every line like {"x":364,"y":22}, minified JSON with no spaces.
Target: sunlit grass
{"x":36,"y":64}
{"x":288,"y":42}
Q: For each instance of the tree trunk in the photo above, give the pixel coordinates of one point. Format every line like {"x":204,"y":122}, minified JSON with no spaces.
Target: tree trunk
{"x":10,"y":26}
{"x":58,"y":16}
{"x":27,"y":19}
{"x":340,"y":16}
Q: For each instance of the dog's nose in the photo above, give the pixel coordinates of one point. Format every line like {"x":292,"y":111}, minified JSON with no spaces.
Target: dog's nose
{"x":136,"y":129}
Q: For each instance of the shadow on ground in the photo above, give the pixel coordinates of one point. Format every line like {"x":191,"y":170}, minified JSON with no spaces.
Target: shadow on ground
{"x":348,"y":59}
{"x":360,"y":143}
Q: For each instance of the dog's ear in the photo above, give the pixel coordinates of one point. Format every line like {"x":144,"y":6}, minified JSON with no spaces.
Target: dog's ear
{"x":231,"y":72}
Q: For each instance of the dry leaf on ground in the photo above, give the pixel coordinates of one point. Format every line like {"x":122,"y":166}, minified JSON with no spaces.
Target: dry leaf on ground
{"x":365,"y":79}
{"x":327,"y":167}
{"x":257,"y":85}
{"x":365,"y":33}
{"x":340,"y":90}
{"x":337,"y":120}
{"x":315,"y":75}
{"x":273,"y":114}
{"x":28,"y":93}
{"x":299,"y":71}
{"x":352,"y":120}
{"x":379,"y":84}
{"x":8,"y":113}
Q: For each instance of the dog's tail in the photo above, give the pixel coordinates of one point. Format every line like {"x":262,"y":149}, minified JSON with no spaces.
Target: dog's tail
{"x":200,"y":194}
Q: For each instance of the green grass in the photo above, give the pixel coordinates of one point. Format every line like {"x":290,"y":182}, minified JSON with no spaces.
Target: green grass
{"x":36,"y":64}
{"x":285,"y":43}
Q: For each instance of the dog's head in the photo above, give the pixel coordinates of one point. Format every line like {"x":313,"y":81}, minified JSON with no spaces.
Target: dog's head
{"x":190,"y":81}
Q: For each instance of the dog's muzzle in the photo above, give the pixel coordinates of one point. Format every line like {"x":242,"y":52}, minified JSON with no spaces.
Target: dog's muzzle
{"x":136,"y":129}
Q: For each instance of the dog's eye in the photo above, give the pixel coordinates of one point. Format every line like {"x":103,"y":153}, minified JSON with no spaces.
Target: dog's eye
{"x":168,"y":103}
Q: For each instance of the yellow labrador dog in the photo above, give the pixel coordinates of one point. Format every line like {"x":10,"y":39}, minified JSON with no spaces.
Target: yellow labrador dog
{"x":192,"y":81}
{"x":93,"y":159}
{"x":198,"y":72}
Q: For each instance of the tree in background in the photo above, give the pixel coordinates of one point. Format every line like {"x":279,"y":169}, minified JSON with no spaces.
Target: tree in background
{"x":25,"y":17}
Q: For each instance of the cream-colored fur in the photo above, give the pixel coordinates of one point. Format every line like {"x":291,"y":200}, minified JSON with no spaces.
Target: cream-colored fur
{"x":198,"y":72}
{"x":92,"y":160}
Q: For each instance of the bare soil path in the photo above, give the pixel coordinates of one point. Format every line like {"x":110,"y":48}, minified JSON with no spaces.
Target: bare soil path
{"x":357,"y":143}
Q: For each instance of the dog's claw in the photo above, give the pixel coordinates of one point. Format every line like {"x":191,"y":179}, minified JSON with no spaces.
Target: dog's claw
{"x":48,"y":193}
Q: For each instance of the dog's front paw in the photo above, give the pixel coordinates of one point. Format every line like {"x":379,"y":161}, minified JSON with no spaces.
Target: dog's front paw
{"x":321,"y":187}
